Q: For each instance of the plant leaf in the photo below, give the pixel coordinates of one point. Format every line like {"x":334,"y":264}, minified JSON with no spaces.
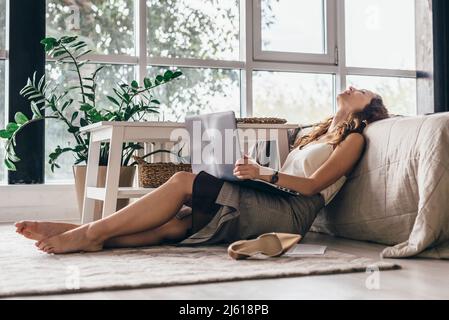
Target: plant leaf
{"x":73,"y":129}
{"x":126,"y":97}
{"x":113,"y":100}
{"x":177,"y":74}
{"x":35,"y":109}
{"x":13,"y":157}
{"x":5,"y":134}
{"x":134,"y":84}
{"x":66,"y":39}
{"x":168,"y":75}
{"x":10,"y":165}
{"x":147,"y":83}
{"x":66,"y":104}
{"x":86,"y":107}
{"x":20,"y":118}
{"x":12,"y":127}
{"x":83,"y":53}
{"x":41,"y":84}
{"x":74,"y":116}
{"x":79,"y":148}
{"x":83,"y":122}
{"x":49,"y":43}
{"x":59,"y":53}
{"x":90,"y":96}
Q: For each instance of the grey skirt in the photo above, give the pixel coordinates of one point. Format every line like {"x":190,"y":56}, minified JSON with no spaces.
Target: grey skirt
{"x":241,"y":213}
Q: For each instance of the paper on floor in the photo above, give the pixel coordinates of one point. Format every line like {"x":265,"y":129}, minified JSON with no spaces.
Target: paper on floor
{"x":306,"y":249}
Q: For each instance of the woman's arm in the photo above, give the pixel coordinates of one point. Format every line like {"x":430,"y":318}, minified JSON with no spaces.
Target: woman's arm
{"x":340,"y":163}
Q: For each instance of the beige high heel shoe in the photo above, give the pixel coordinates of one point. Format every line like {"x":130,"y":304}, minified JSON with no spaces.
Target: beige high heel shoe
{"x":269,"y":244}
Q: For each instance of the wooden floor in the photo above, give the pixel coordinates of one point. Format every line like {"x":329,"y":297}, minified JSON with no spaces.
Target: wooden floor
{"x":418,"y":279}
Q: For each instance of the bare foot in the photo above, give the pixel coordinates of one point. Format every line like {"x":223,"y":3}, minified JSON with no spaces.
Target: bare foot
{"x":80,"y":239}
{"x":36,"y":230}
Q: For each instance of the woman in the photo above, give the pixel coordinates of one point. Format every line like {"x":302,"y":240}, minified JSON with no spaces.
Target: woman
{"x":201,"y":209}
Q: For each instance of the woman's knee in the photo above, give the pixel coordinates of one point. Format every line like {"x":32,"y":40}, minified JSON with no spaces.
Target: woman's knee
{"x":183,"y":179}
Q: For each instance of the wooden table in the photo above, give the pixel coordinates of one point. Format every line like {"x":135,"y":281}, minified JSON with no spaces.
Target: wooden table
{"x":148,"y":133}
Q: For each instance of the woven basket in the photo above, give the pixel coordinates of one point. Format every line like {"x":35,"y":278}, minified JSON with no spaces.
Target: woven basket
{"x":153,"y":175}
{"x":256,"y":120}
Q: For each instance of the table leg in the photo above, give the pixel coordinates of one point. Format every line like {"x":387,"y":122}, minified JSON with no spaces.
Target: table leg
{"x":113,"y":172}
{"x":283,"y":145}
{"x":91,"y":179}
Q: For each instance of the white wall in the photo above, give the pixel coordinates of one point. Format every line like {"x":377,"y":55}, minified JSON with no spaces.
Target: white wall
{"x":38,"y":202}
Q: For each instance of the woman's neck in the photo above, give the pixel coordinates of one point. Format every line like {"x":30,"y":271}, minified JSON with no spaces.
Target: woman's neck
{"x":339,"y":117}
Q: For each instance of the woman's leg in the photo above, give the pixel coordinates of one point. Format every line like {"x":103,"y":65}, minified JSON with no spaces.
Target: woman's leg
{"x":173,"y":231}
{"x":38,"y":230}
{"x":149,"y":212}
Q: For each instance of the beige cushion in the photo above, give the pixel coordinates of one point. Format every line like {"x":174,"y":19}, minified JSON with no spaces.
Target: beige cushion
{"x":398,"y":194}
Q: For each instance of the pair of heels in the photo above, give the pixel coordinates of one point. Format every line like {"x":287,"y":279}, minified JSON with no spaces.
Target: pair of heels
{"x":269,"y":244}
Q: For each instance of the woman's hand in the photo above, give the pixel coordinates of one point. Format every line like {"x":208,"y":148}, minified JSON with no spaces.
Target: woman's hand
{"x":247,"y":169}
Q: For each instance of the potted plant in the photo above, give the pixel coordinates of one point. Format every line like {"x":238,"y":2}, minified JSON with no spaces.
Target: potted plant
{"x":130,"y":102}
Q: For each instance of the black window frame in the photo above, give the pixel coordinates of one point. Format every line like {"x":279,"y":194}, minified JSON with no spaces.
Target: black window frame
{"x":26,"y":56}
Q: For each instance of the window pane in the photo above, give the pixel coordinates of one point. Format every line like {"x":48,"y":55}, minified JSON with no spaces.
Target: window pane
{"x":298,"y":97}
{"x":2,"y":23}
{"x":201,"y":29}
{"x":107,"y":26}
{"x":399,"y":94}
{"x":381,"y":34}
{"x":198,"y":91}
{"x":56,"y":132}
{"x":2,"y":118}
{"x":293,"y":26}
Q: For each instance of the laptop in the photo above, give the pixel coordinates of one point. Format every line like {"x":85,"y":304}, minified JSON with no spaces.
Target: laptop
{"x":215,"y":148}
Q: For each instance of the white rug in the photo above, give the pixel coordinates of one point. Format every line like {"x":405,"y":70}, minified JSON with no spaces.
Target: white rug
{"x":26,"y":271}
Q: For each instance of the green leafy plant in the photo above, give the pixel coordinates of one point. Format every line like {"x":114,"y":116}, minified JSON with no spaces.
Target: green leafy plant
{"x":130,"y":102}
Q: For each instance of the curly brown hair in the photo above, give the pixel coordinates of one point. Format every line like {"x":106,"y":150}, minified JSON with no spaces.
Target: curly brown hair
{"x":355,"y":123}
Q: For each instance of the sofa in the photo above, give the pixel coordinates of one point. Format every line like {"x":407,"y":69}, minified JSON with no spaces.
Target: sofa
{"x":398,"y":193}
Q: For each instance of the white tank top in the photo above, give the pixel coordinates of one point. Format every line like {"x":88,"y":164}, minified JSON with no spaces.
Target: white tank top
{"x":303,"y":163}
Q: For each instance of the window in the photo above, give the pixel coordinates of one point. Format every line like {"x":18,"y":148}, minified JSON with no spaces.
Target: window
{"x":290,"y":62}
{"x":302,"y":31}
{"x":299,"y":97}
{"x":199,"y":91}
{"x":108,"y":28}
{"x":399,"y":94}
{"x":2,"y":24}
{"x":202,"y":36}
{"x":380,"y":51}
{"x":2,"y":79}
{"x":2,"y":114}
{"x":298,"y":31}
{"x":377,"y":38}
{"x":198,"y":29}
